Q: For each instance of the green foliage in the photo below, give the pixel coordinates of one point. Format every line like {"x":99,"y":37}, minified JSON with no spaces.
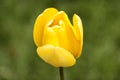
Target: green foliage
{"x":100,"y":59}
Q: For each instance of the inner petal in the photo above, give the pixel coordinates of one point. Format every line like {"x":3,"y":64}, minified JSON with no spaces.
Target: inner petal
{"x":49,"y":37}
{"x":62,"y":37}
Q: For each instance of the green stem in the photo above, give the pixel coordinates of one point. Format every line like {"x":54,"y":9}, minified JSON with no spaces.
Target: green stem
{"x":61,"y":73}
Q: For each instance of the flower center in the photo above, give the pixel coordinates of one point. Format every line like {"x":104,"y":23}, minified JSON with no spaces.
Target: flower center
{"x":54,"y":23}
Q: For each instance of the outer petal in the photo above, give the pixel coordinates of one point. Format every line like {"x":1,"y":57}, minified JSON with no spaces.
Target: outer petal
{"x":79,"y":30}
{"x":77,"y":23}
{"x":39,"y":24}
{"x":56,"y":56}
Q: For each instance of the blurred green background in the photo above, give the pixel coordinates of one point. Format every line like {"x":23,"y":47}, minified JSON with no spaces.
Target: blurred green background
{"x":100,"y":59}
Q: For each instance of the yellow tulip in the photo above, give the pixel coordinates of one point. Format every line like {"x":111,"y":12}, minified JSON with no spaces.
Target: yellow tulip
{"x":58,"y":42}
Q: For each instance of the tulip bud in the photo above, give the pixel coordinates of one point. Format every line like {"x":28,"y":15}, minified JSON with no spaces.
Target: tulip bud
{"x":58,"y":42}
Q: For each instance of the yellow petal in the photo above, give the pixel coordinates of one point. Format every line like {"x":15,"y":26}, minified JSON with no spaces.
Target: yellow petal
{"x":71,"y":40}
{"x":62,"y":37}
{"x":61,"y":15}
{"x":77,"y":23}
{"x":39,"y":24}
{"x":49,"y":37}
{"x":69,"y":34}
{"x":79,"y":30}
{"x":56,"y":56}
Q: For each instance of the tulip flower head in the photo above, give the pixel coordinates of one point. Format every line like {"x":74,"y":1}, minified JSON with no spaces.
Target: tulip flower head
{"x":58,"y":42}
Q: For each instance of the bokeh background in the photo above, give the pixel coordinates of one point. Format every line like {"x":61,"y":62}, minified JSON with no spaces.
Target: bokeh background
{"x":100,"y":59}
